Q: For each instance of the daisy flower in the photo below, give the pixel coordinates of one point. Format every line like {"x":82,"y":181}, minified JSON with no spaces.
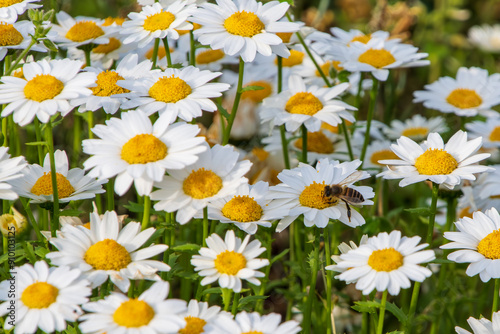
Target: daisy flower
{"x":139,"y":152}
{"x":45,"y":297}
{"x":255,"y":323}
{"x":378,"y":57}
{"x":344,"y":249}
{"x":243,"y":27}
{"x":477,"y":239}
{"x":416,"y":128}
{"x":303,"y":192}
{"x":487,"y":189}
{"x":489,"y":130}
{"x":199,"y":317}
{"x":306,"y":105}
{"x":486,"y":37}
{"x":376,"y":151}
{"x":150,"y":313}
{"x":13,"y":223}
{"x":472,"y":92}
{"x":47,"y":87}
{"x":16,"y":36}
{"x":107,"y":94}
{"x":180,"y":93}
{"x":107,"y":251}
{"x":72,"y":184}
{"x":78,"y":31}
{"x":157,"y":22}
{"x":213,"y":60}
{"x":10,"y":9}
{"x":229,"y":261}
{"x":247,"y":208}
{"x":386,"y":262}
{"x":10,"y":169}
{"x":217,"y":174}
{"x":482,"y":326}
{"x":433,"y":160}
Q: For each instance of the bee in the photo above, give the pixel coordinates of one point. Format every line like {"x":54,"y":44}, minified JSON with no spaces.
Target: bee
{"x":333,"y":192}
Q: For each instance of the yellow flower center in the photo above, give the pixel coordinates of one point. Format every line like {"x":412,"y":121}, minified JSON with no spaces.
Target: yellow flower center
{"x":202,"y":183}
{"x":19,"y":73}
{"x":114,"y":44}
{"x":312,"y":197}
{"x":295,"y":58}
{"x":244,"y":23}
{"x":87,"y":225}
{"x":495,"y":134}
{"x":465,"y":212}
{"x":327,"y":66}
{"x":7,"y":3}
{"x":489,"y":246}
{"x":183,"y":32}
{"x":253,"y":332}
{"x":258,"y":95}
{"x":158,"y":21}
{"x":242,"y":209}
{"x":107,"y":255}
{"x":382,"y":155}
{"x":133,"y":313}
{"x":331,"y":128}
{"x":43,"y":87}
{"x":9,"y":35}
{"x":416,"y":132}
{"x":387,"y":259}
{"x":303,"y":103}
{"x":169,"y":89}
{"x":43,"y":186}
{"x":106,"y":84}
{"x":464,"y":98}
{"x":260,"y":153}
{"x":39,"y":295}
{"x":317,"y":142}
{"x":110,"y":20}
{"x":361,"y":38}
{"x":83,"y":31}
{"x":285,"y":36}
{"x":144,"y":148}
{"x":194,"y":325}
{"x":230,"y":262}
{"x":209,"y":56}
{"x":435,"y":161}
{"x":377,"y":58}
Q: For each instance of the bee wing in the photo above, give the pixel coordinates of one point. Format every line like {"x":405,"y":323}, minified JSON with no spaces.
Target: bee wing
{"x":352,"y":178}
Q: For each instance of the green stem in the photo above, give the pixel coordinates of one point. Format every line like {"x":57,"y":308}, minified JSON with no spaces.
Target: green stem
{"x":154,"y":57}
{"x":167,"y":52}
{"x":371,"y":108}
{"x":31,"y":218}
{"x":284,"y":146}
{"x":87,"y":51}
{"x":21,"y":56}
{"x":145,"y":215}
{"x":358,"y":96}
{"x":192,"y":49}
{"x":53,"y":173}
{"x":380,"y":326}
{"x":237,"y":98}
{"x":110,"y":195}
{"x":364,"y":318}
{"x":347,"y":139}
{"x":260,"y":303}
{"x":312,"y":287}
{"x":131,"y":289}
{"x":236,"y":300}
{"x":226,"y":298}
{"x":328,"y":259}
{"x":4,"y":130}
{"x":205,"y":226}
{"x":496,"y":289}
{"x":90,"y":123}
{"x":304,"y":143}
{"x":77,"y":143}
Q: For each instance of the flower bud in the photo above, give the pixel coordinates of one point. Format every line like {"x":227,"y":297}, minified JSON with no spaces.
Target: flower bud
{"x":12,"y":225}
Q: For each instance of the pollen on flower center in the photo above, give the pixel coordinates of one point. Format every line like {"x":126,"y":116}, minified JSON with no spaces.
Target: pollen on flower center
{"x":43,"y":87}
{"x":415,"y":132}
{"x":387,"y":259}
{"x":83,"y":31}
{"x":158,"y":21}
{"x":39,"y":295}
{"x":495,"y":134}
{"x":435,"y":161}
{"x":312,"y":197}
{"x":362,"y":39}
{"x":194,"y":325}
{"x":244,"y":23}
{"x":7,"y":3}
{"x":285,"y":36}
{"x":43,"y":186}
{"x":377,"y":58}
{"x":317,"y":142}
{"x":230,"y":262}
{"x":133,"y":313}
{"x":242,"y":209}
{"x":202,"y":183}
{"x":143,"y":148}
{"x":114,"y":44}
{"x":464,"y":98}
{"x":489,"y":246}
{"x":327,"y":66}
{"x":209,"y":56}
{"x":169,"y":89}
{"x":110,"y":20}
{"x":303,"y":103}
{"x":258,"y":95}
{"x":382,"y":155}
{"x":9,"y":35}
{"x":295,"y":58}
{"x":107,"y":255}
{"x":106,"y":84}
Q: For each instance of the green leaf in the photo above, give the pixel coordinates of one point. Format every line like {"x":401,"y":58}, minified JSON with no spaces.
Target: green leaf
{"x":71,"y":213}
{"x":41,"y":252}
{"x":441,"y":261}
{"x":279,"y":256}
{"x":222,"y":110}
{"x":70,"y":330}
{"x":250,"y":88}
{"x":134,"y":207}
{"x":250,"y":299}
{"x":396,"y":311}
{"x":367,"y":306}
{"x":420,"y":211}
{"x":187,"y":248}
{"x":210,"y":291}
{"x":37,"y":143}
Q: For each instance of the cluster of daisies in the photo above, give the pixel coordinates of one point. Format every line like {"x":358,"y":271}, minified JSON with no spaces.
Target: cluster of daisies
{"x":143,"y":82}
